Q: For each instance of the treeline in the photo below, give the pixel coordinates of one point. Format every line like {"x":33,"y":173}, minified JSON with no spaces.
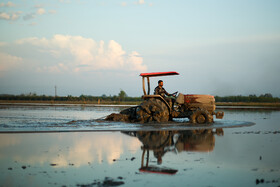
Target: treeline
{"x":263,"y":98}
{"x":122,"y":97}
{"x":34,"y":97}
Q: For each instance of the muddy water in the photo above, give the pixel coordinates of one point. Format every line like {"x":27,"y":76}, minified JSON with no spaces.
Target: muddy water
{"x":246,"y":156}
{"x":70,"y":118}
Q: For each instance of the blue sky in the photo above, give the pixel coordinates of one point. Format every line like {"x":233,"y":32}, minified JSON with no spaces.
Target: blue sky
{"x":99,"y":47}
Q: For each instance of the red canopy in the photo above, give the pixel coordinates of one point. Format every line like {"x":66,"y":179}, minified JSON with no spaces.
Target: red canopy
{"x":155,"y":74}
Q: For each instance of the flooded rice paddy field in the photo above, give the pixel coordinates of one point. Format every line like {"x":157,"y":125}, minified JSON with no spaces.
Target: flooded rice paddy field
{"x":231,"y":153}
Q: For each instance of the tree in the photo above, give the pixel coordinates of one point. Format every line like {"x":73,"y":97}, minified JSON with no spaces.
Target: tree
{"x":268,"y":95}
{"x":122,"y":95}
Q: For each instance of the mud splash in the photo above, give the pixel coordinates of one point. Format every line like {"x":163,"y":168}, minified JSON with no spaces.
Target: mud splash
{"x":103,"y":125}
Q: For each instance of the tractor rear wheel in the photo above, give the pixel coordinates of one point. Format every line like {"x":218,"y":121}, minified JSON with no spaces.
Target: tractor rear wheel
{"x":201,"y":116}
{"x":152,"y":110}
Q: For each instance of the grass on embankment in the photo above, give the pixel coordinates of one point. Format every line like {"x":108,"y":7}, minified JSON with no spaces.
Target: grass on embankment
{"x":248,"y":104}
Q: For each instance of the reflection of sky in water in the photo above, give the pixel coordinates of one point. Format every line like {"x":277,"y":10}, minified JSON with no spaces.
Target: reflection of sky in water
{"x":68,"y":152}
{"x":239,"y":157}
{"x":63,"y":148}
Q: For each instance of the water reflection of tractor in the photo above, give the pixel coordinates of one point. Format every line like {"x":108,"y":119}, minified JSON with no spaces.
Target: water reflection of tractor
{"x":161,"y":142}
{"x":156,"y":108}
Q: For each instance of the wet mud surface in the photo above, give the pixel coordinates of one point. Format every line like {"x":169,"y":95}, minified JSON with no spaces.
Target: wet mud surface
{"x":106,"y":182}
{"x":81,"y":119}
{"x":103,"y":125}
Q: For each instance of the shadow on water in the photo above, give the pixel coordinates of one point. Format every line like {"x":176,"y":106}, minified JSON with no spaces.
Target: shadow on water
{"x":161,"y":142}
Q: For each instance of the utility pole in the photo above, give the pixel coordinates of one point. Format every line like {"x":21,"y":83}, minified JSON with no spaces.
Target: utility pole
{"x":55,"y":91}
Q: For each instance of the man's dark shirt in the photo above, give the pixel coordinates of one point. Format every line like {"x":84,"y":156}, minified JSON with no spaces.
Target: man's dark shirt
{"x":161,"y":91}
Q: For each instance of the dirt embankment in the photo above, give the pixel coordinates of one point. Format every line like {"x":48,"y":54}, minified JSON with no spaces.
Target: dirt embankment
{"x":69,"y":102}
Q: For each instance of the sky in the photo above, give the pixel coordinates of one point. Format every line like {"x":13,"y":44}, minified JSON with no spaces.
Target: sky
{"x":96,"y":47}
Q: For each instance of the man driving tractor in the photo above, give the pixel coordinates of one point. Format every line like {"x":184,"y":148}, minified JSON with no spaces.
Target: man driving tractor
{"x":159,"y":90}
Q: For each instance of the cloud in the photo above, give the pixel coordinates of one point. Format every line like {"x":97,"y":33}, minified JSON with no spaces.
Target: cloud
{"x":140,"y":2}
{"x":11,"y":16}
{"x":33,"y":24}
{"x":8,"y":62}
{"x":8,"y":4}
{"x":41,"y":11}
{"x":2,"y":44}
{"x":52,"y":11}
{"x":14,"y":16}
{"x":123,"y":4}
{"x":28,"y":16}
{"x":32,"y":15}
{"x":39,"y":6}
{"x":4,"y":15}
{"x":78,"y":54}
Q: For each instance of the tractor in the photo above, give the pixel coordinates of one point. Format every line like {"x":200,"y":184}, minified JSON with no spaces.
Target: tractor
{"x":197,"y":108}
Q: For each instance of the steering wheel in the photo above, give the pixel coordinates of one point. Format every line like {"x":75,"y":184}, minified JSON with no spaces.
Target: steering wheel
{"x":175,"y":94}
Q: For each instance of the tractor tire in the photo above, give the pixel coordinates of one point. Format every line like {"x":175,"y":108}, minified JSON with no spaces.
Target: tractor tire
{"x":201,"y":116}
{"x":154,"y":139}
{"x":152,"y":110}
